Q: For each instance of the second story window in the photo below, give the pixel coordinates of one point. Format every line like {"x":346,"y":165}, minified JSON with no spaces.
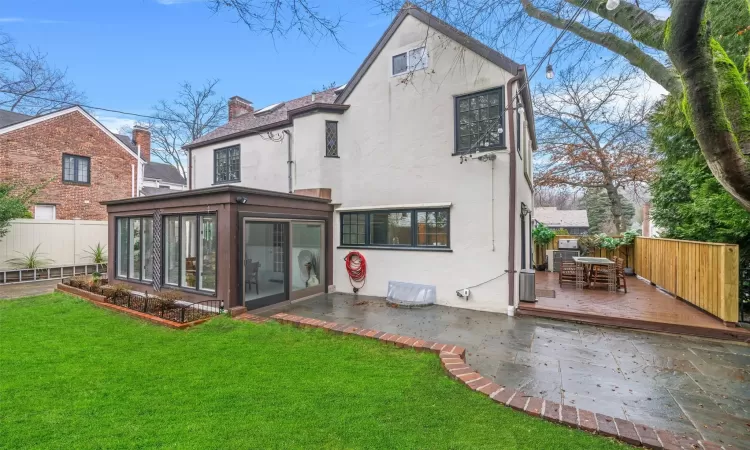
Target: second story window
{"x":77,"y":169}
{"x":227,"y":165}
{"x":479,"y":121}
{"x":414,"y":59}
{"x":332,"y":139}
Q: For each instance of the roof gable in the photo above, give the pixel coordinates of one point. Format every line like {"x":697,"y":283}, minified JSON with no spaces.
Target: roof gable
{"x":441,"y":27}
{"x":43,"y":118}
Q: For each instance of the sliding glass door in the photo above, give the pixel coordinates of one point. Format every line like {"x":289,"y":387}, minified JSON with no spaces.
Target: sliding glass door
{"x":282,"y":260}
{"x":265,"y":263}
{"x":308,"y":259}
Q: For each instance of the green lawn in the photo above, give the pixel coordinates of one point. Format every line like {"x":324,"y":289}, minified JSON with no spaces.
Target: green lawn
{"x":76,"y":376}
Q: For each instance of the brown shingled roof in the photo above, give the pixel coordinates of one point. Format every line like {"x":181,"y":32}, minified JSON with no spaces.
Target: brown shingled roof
{"x":254,"y":122}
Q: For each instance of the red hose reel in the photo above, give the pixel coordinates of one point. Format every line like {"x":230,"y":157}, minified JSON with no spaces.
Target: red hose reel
{"x":356,"y":267}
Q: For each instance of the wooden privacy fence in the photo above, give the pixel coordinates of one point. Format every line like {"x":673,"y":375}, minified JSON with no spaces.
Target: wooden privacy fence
{"x":622,"y":251}
{"x":702,"y":273}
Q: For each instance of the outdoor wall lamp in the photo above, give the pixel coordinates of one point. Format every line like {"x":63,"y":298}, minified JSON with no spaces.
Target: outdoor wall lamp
{"x":241,"y":200}
{"x":525,"y":210}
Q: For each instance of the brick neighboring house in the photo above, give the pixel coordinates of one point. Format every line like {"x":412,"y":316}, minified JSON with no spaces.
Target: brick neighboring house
{"x":86,"y":163}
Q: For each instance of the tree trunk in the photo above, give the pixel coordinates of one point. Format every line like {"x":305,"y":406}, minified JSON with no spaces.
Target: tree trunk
{"x":615,"y":206}
{"x":689,"y":46}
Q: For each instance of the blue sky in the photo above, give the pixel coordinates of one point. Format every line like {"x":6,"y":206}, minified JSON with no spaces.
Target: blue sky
{"x":128,"y":54}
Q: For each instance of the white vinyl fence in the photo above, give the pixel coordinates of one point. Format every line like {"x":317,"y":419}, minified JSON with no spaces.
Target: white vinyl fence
{"x":64,"y":242}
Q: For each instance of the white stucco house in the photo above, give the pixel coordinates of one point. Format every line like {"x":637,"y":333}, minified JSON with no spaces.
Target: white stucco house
{"x":426,"y":154}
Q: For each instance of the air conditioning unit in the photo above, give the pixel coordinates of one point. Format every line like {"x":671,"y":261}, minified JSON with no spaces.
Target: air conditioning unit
{"x":527,"y":285}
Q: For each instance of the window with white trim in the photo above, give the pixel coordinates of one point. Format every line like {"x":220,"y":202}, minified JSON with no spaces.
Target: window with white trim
{"x":414,"y":59}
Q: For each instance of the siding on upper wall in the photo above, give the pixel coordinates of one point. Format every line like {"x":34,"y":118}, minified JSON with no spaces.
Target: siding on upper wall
{"x":263,"y":162}
{"x":33,"y":154}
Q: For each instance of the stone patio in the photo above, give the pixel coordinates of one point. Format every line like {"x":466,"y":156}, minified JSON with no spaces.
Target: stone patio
{"x":684,"y":384}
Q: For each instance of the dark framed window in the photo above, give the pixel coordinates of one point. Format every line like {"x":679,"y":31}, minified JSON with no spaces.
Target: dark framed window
{"x":480,"y":121}
{"x":406,"y":228}
{"x":135,"y":248}
{"x":353,"y":229}
{"x":332,"y":138}
{"x":76,"y":169}
{"x":400,"y":64}
{"x":227,"y":164}
{"x":190,"y":245}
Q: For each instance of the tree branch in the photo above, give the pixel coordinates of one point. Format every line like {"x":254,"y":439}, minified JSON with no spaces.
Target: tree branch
{"x":641,"y":24}
{"x":637,"y":57}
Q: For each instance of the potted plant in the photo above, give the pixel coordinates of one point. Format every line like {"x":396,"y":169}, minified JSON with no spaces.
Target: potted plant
{"x":98,"y":255}
{"x":96,"y":279}
{"x":542,"y":236}
{"x":608,"y":243}
{"x":627,"y":240}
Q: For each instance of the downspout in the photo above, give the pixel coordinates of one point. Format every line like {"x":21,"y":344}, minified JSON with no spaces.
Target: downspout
{"x":512,"y":189}
{"x":190,"y":169}
{"x":289,"y":160}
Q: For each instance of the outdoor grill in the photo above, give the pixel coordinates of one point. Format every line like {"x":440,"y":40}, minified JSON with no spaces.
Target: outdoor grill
{"x":568,"y":244}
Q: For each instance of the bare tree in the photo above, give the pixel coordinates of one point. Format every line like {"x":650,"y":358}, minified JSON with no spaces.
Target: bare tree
{"x":191,"y":114}
{"x":279,"y":17}
{"x":592,"y":133}
{"x":28,"y":84}
{"x":559,"y":197}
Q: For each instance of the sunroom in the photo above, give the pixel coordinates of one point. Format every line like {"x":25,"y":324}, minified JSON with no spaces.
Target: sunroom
{"x":247,"y":247}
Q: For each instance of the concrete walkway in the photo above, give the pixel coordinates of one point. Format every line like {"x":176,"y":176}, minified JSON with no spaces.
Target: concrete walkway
{"x":17,"y":290}
{"x":687,"y":385}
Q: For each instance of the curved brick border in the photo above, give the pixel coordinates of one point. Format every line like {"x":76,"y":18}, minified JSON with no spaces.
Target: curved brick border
{"x":453,"y":360}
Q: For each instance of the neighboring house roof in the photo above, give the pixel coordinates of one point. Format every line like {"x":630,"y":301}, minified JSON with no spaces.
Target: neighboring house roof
{"x":276,"y":117}
{"x":10,"y":117}
{"x":163,"y":172}
{"x":149,"y":191}
{"x":561,"y":218}
{"x":154,"y":170}
{"x":128,"y":141}
{"x":33,"y":120}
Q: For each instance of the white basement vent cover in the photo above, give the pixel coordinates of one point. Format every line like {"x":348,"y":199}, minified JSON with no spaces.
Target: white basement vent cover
{"x":410,"y":294}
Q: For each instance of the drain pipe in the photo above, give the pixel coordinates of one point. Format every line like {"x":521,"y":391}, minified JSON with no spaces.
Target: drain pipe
{"x":289,"y":160}
{"x":512,"y":189}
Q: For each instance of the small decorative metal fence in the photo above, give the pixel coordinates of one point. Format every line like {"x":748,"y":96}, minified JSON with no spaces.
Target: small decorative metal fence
{"x":174,"y":311}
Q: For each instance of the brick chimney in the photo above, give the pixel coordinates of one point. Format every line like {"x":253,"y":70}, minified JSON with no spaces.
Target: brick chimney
{"x":142,"y":137}
{"x":646,"y":224}
{"x":238,"y":106}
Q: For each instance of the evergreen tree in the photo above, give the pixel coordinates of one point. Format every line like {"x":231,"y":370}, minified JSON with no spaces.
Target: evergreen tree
{"x":599,"y":212}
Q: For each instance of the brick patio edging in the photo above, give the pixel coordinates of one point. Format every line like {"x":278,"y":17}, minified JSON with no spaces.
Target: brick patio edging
{"x":453,"y":360}
{"x":98,"y":300}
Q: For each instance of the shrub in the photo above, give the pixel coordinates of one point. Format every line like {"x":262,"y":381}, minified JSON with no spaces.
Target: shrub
{"x":116,"y":291}
{"x":542,"y":235}
{"x":169,"y":298}
{"x":31,"y":260}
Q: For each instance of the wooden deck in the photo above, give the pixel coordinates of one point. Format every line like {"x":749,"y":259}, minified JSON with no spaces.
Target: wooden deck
{"x":643,"y":307}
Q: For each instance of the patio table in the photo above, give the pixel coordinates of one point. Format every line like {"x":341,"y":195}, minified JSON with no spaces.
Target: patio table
{"x":581,"y":270}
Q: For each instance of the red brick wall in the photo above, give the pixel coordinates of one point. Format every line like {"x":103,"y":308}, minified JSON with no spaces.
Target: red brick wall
{"x":33,"y":154}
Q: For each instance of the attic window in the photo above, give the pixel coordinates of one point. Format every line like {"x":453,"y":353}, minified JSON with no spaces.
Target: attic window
{"x":414,"y":59}
{"x":268,"y":109}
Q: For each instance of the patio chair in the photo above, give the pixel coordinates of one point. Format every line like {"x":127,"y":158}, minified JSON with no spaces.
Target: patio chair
{"x":567,"y":272}
{"x":620,"y":274}
{"x":251,"y":275}
{"x":599,"y":275}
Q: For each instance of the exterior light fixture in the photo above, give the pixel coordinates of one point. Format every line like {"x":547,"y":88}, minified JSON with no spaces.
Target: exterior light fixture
{"x":550,"y":72}
{"x":241,"y":200}
{"x":612,"y":4}
{"x":524,"y":210}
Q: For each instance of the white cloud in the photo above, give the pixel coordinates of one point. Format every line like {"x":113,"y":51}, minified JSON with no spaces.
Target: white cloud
{"x":662,"y":13}
{"x":114,"y":123}
{"x":10,"y":19}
